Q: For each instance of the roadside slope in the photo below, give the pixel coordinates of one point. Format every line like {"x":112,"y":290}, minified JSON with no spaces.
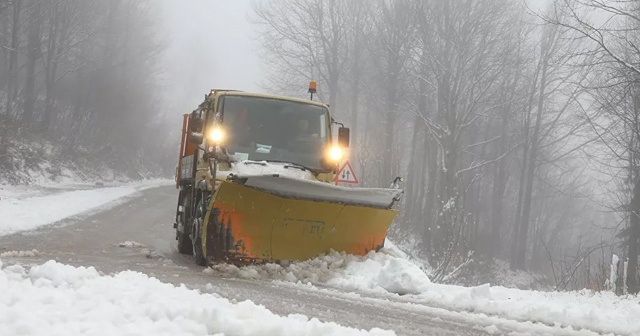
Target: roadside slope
{"x":28,"y":213}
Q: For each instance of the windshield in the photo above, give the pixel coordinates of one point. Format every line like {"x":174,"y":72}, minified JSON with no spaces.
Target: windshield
{"x":275,"y":130}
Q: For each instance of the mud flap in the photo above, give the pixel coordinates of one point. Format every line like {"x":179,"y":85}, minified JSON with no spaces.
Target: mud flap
{"x":246,"y":224}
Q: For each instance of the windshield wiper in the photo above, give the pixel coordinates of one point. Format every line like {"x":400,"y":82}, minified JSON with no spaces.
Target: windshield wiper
{"x":292,"y":165}
{"x":259,"y":163}
{"x":295,"y":166}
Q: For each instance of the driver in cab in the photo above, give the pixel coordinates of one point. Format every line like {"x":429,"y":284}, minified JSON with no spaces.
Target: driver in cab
{"x":306,"y":138}
{"x":238,"y":122}
{"x":303,"y":131}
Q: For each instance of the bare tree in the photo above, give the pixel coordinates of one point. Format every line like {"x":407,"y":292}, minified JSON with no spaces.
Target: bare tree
{"x":477,"y":106}
{"x":82,"y":77}
{"x":613,"y":48}
{"x":464,"y":66}
{"x":306,"y":40}
{"x":11,"y":85}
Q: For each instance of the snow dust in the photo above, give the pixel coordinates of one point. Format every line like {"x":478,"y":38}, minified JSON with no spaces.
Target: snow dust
{"x":375,"y":271}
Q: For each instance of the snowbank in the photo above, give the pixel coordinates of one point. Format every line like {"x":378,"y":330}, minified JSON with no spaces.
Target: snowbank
{"x":385,"y":275}
{"x":376,"y":271}
{"x":56,"y":299}
{"x":600,"y":312}
{"x":21,"y":214}
{"x":407,"y":250}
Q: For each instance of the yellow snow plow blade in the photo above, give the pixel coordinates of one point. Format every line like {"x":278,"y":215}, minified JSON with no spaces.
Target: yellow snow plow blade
{"x":250,"y":224}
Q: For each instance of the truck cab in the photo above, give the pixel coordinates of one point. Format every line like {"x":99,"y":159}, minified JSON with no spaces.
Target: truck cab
{"x":251,"y":127}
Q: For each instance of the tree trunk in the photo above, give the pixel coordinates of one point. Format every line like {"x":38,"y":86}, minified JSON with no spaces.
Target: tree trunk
{"x":355,"y":91}
{"x":430,"y":196}
{"x":414,"y":171}
{"x":416,"y":168}
{"x":521,"y":186}
{"x":499,"y":187}
{"x":33,"y":53}
{"x":51,"y":66}
{"x":12,"y":85}
{"x":389,"y":123}
{"x":634,"y":235}
{"x":526,"y":206}
{"x":634,"y":224}
{"x":525,"y":159}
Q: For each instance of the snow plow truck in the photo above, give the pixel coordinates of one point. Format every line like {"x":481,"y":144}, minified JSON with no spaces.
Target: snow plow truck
{"x":256,"y":183}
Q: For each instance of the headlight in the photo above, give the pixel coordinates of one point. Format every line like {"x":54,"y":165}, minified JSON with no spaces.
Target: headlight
{"x":216,"y":135}
{"x":336,"y":154}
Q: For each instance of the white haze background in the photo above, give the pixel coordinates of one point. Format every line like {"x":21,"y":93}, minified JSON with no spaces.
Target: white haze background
{"x":211,"y":44}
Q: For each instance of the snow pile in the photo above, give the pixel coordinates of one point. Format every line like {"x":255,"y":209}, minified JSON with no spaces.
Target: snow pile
{"x":385,"y":275}
{"x":131,"y":244}
{"x":402,"y":277}
{"x":21,"y":254}
{"x":379,"y":272}
{"x":56,"y":299}
{"x":408,"y":250}
{"x":600,"y":312}
{"x":33,"y":212}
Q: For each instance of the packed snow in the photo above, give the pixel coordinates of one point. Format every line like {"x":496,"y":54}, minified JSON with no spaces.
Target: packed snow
{"x":131,"y":244}
{"x":21,"y":213}
{"x":134,"y":303}
{"x":21,"y":254}
{"x":376,"y":271}
{"x":249,"y":168}
{"x":386,"y":275}
{"x":148,"y":253}
{"x":57,"y":299}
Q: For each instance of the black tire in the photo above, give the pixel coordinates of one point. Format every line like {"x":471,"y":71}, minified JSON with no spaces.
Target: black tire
{"x":196,"y":239}
{"x":198,"y":257}
{"x":184,"y":241}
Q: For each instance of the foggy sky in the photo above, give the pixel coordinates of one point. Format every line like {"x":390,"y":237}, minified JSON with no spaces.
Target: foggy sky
{"x":210,"y":45}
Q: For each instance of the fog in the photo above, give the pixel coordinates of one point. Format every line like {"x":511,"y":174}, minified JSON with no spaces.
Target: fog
{"x":499,"y":115}
{"x":210,"y":44}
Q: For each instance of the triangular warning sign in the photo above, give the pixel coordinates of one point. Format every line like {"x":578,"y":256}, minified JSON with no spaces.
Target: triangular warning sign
{"x":346,"y":174}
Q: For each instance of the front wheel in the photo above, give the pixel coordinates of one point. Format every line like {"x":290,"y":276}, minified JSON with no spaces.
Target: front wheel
{"x":182,"y":235}
{"x":184,"y":243}
{"x":196,"y":238}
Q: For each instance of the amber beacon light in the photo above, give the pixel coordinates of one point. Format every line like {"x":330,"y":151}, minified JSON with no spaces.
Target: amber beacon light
{"x":312,"y":88}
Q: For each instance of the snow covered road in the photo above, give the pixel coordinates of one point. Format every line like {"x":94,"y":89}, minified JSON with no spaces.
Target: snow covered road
{"x":27,"y":209}
{"x":100,"y":240}
{"x":137,"y":235}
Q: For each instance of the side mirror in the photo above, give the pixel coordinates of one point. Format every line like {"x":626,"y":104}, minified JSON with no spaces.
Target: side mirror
{"x":196,"y":138}
{"x":195,"y":123}
{"x":343,"y":137}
